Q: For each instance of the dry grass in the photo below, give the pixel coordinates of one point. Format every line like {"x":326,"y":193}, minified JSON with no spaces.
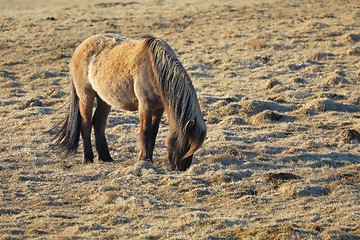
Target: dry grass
{"x":278,"y":82}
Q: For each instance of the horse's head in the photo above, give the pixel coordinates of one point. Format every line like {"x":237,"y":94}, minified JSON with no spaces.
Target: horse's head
{"x":183,"y":144}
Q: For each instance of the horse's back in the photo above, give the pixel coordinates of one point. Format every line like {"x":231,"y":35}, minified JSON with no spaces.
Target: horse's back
{"x":99,"y":42}
{"x":81,"y":59}
{"x":108,"y":65}
{"x":93,"y":46}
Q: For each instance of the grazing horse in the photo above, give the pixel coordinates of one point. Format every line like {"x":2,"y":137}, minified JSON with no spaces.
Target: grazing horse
{"x":143,"y":75}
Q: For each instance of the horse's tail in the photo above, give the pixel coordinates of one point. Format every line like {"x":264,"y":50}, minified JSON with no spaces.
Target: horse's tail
{"x":69,"y":134}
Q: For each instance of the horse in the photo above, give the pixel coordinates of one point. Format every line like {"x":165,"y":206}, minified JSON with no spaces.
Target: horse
{"x":141,"y":75}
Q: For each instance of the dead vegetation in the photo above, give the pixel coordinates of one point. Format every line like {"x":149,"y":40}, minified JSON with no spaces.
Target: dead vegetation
{"x":278,"y":83}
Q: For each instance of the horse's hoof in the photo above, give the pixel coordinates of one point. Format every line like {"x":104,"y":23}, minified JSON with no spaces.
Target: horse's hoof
{"x":149,"y":160}
{"x":107,"y":159}
{"x":87,"y":161}
{"x":146,"y":160}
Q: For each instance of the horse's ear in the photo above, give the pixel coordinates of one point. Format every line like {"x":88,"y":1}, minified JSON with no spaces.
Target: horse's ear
{"x":190,"y":125}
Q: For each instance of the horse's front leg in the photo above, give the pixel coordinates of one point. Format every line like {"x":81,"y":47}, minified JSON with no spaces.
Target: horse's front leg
{"x":155,"y":122}
{"x":145,"y":135}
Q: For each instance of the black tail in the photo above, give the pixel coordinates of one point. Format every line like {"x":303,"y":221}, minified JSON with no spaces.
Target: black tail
{"x":69,"y":134}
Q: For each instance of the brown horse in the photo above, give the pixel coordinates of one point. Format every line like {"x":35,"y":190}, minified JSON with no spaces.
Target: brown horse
{"x":143,"y":75}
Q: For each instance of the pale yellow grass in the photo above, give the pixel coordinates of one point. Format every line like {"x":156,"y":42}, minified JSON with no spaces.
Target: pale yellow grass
{"x":278,"y":82}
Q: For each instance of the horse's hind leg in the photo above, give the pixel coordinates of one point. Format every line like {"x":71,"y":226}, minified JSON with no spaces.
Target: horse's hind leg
{"x":86,"y":103}
{"x":99,"y":123}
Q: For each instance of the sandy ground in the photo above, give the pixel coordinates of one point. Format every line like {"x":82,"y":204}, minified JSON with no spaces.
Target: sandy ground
{"x":277,"y":80}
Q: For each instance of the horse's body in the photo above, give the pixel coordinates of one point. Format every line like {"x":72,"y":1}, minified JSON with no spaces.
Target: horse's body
{"x":142,"y":75}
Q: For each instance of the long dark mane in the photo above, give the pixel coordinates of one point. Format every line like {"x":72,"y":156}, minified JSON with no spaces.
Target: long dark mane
{"x":179,"y":96}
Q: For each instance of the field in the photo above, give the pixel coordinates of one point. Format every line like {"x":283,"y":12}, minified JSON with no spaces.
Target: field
{"x":278,"y":82}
